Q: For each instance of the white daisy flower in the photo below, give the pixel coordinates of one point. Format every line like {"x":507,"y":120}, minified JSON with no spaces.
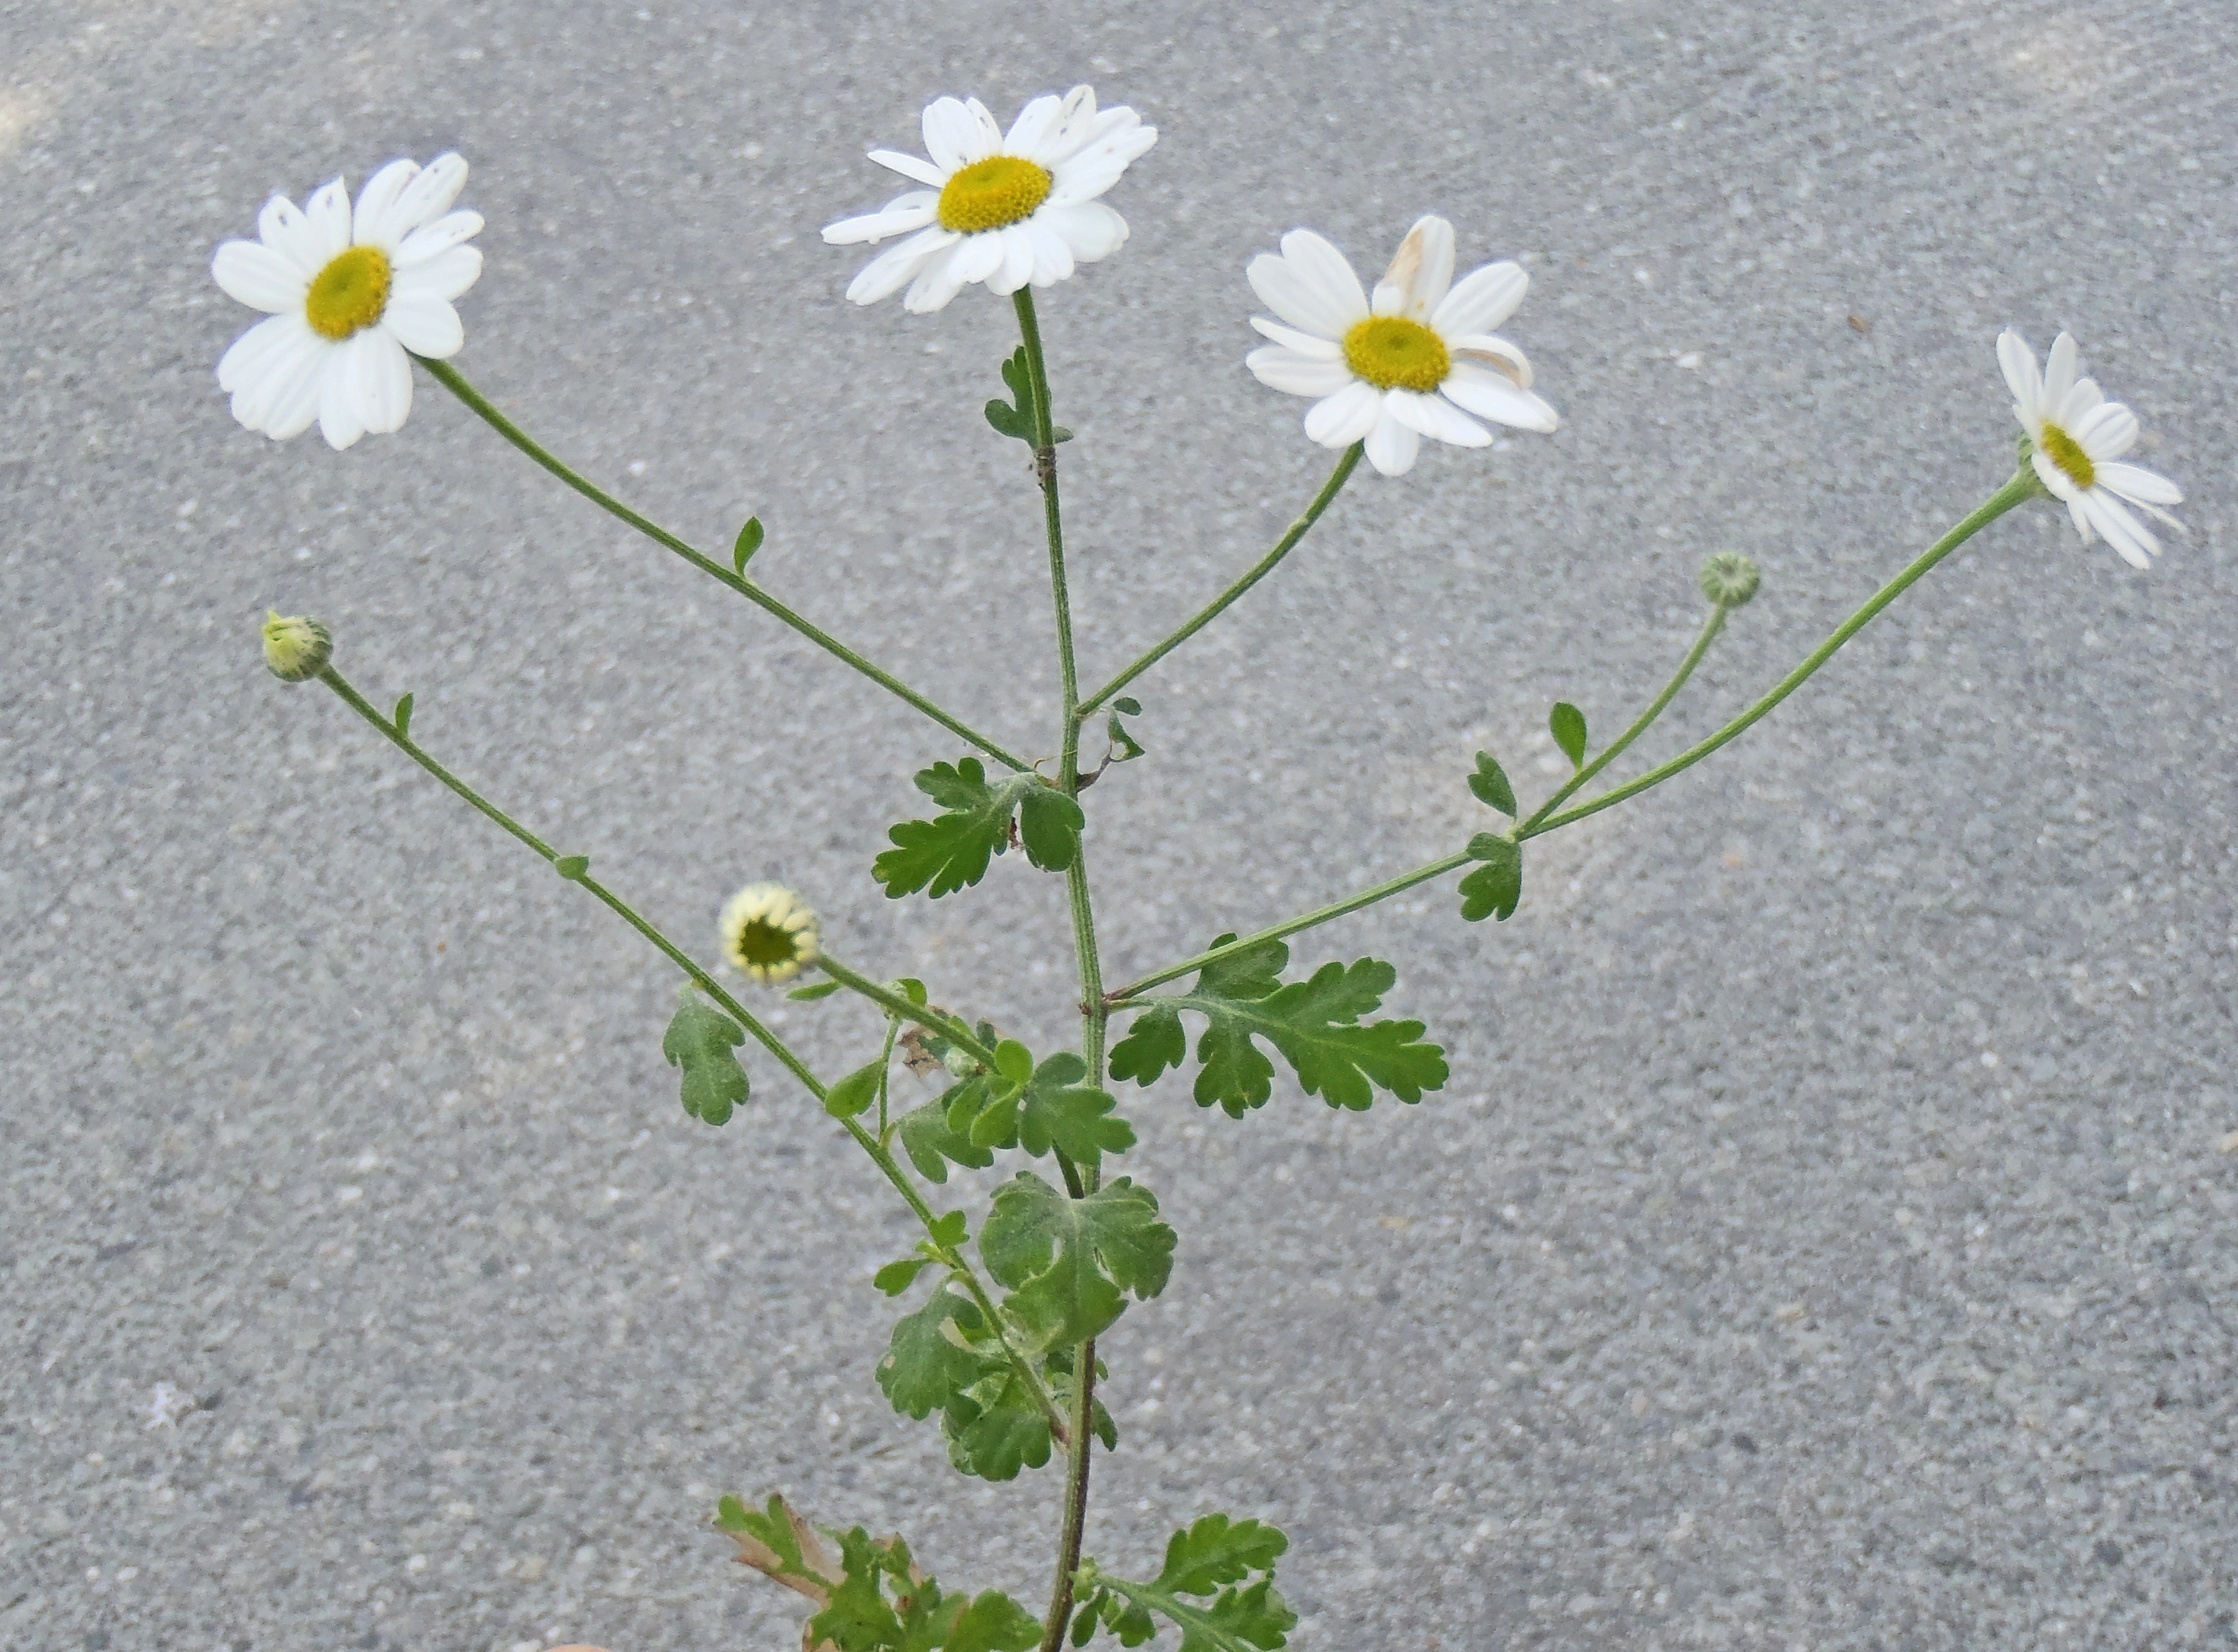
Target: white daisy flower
{"x":347,"y":293}
{"x":2079,"y":437}
{"x":770,"y":933}
{"x":1004,"y":208}
{"x":1404,"y":367}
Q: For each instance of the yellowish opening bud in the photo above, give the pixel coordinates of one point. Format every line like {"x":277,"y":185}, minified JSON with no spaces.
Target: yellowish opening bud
{"x":296,"y":648}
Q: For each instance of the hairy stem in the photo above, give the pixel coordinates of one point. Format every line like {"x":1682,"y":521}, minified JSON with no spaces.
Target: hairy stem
{"x":1710,"y":627}
{"x":1220,"y":603}
{"x":895,"y":1004}
{"x":450,"y":378}
{"x":2022,"y":487}
{"x":1082,"y":1179}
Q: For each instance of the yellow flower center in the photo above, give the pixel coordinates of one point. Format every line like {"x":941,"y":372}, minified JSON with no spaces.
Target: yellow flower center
{"x":349,"y":294}
{"x":1394,"y":353}
{"x":761,"y":944}
{"x":2066,"y":452}
{"x":989,"y":194}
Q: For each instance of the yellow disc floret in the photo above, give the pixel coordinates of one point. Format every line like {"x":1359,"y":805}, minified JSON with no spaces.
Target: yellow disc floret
{"x":1001,"y":189}
{"x":349,"y":294}
{"x":1394,"y":353}
{"x":2066,"y":452}
{"x":770,"y":933}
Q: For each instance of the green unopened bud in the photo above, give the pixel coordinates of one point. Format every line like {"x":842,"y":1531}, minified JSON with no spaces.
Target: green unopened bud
{"x":296,"y":648}
{"x":1729,"y":579}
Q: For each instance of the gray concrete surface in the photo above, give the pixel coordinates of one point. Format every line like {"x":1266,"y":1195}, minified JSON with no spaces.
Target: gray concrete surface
{"x":1824,"y":1242}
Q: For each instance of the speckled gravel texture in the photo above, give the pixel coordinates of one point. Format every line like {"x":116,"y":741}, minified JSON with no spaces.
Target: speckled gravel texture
{"x":1824,"y":1241}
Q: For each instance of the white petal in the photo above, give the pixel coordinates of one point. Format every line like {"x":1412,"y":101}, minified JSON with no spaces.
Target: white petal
{"x":1302,"y":303}
{"x":1490,"y":350}
{"x":380,"y":375}
{"x":898,"y":216}
{"x":1434,"y":416}
{"x":1281,"y":368}
{"x":1491,"y":395}
{"x":2109,"y":431}
{"x":1481,"y":300}
{"x":1303,"y":343}
{"x":894,"y":268}
{"x":950,"y":135}
{"x":2124,"y":532}
{"x":424,"y":324}
{"x":1325,"y":271}
{"x":1347,"y":417}
{"x":979,"y":257}
{"x":283,"y":226}
{"x":329,"y":212}
{"x":342,"y":412}
{"x":939,"y":280}
{"x":1081,"y":123}
{"x":986,"y":135}
{"x":1096,"y":168}
{"x":1093,"y":230}
{"x":250,"y":273}
{"x":2135,"y":483}
{"x":2022,"y":378}
{"x":2080,"y":513}
{"x":445,"y":277}
{"x":1392,"y":446}
{"x":1052,"y":257}
{"x":2061,"y":483}
{"x":1420,"y":273}
{"x":1035,"y":122}
{"x":372,"y":224}
{"x":910,"y":166}
{"x":440,"y":236}
{"x":290,"y":397}
{"x":1018,"y":267}
{"x":2059,"y":373}
{"x":430,"y":195}
{"x":251,"y":356}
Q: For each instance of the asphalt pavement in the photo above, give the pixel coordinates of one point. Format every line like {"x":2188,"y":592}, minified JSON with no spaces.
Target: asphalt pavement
{"x":1828,"y":1236}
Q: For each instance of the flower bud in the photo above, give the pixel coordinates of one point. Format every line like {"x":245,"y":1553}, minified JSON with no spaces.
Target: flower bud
{"x":1729,"y":579}
{"x":296,"y":649}
{"x":770,"y":933}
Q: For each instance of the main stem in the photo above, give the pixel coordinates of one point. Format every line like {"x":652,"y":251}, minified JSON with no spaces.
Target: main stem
{"x":1092,"y":1007}
{"x":452,"y":379}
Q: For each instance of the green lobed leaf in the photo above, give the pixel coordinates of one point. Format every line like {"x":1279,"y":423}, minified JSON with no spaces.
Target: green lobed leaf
{"x":994,"y":1429}
{"x":699,"y":1040}
{"x":1489,"y":783}
{"x":927,"y":1364}
{"x":897,"y":1277}
{"x":1567,"y":724}
{"x":781,"y":1545}
{"x":994,"y":1623}
{"x":1068,"y":1263}
{"x":1126,"y":747}
{"x":1313,"y":1024}
{"x":1058,"y":1110}
{"x":1493,"y":888}
{"x":1217,"y":1551}
{"x":859,"y":1618}
{"x":944,"y":854}
{"x":932,"y":1142}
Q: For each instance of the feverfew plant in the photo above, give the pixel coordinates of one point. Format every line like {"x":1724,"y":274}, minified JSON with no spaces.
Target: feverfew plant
{"x":997,"y":1333}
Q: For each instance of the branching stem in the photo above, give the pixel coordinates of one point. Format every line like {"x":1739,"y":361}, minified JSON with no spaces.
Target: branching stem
{"x":452,"y":379}
{"x":894,"y":1003}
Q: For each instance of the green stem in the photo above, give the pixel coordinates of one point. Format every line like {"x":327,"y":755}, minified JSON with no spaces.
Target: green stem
{"x":960,"y":1266}
{"x":957,"y":1264}
{"x":613,"y":902}
{"x":1220,"y":604}
{"x":1081,"y":1178}
{"x":895,"y":1003}
{"x":1710,"y":627}
{"x":452,"y":379}
{"x":1318,"y":915}
{"x":2023,"y":486}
